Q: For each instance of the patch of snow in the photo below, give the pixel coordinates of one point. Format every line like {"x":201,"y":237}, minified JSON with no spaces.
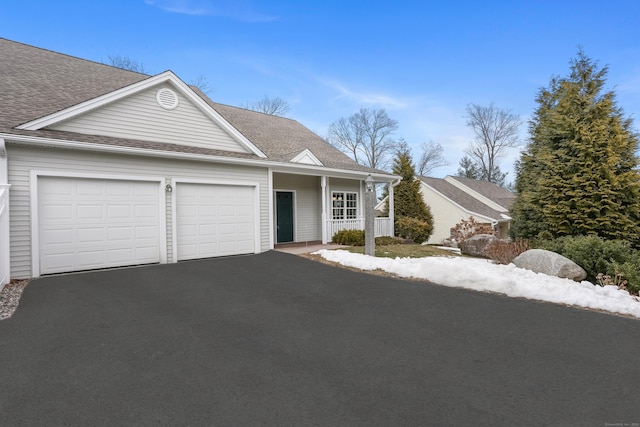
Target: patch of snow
{"x":449,"y":248}
{"x":483,"y":275}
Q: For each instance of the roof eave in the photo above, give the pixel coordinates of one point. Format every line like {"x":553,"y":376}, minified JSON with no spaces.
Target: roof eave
{"x":303,"y":169}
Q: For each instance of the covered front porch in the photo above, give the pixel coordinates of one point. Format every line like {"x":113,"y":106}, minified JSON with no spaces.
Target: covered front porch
{"x":310,"y":208}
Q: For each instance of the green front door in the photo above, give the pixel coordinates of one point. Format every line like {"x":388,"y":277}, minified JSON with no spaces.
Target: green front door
{"x":284,"y":216}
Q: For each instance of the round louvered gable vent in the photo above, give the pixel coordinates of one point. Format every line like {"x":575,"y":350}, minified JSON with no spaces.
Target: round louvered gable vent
{"x":167,"y":99}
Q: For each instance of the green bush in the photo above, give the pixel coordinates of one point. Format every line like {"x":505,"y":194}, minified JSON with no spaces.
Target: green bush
{"x":349,"y":237}
{"x":598,"y":256}
{"x":414,"y":229}
{"x":387,"y":240}
{"x":630,"y":272}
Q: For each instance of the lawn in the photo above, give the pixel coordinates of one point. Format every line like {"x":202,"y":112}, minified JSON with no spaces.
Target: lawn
{"x":405,"y":250}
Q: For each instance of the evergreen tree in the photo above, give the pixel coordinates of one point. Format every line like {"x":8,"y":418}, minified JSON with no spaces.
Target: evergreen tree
{"x":468,"y":169}
{"x":407,"y":199}
{"x":578,"y":174}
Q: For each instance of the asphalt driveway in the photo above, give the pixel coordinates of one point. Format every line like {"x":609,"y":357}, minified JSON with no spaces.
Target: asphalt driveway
{"x":276,"y":339}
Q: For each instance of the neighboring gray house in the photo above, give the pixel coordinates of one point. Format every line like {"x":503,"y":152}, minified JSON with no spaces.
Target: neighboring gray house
{"x":453,"y":199}
{"x":105,"y":167}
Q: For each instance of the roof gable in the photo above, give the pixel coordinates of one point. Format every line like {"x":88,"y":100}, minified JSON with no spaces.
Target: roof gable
{"x":144,"y":111}
{"x":463,"y":199}
{"x":307,"y":157}
{"x":489,"y":193}
{"x":43,"y":92}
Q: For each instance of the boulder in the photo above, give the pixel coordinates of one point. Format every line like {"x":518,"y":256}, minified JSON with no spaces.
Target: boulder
{"x":550,"y":263}
{"x":477,"y":245}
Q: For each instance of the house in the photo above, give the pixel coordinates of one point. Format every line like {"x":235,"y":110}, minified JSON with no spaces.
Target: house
{"x":453,"y":199}
{"x":102,"y":167}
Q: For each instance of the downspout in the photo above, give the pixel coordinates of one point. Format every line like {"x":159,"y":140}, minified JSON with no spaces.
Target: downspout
{"x":323,"y":184}
{"x":5,"y":249}
{"x":4,"y":164}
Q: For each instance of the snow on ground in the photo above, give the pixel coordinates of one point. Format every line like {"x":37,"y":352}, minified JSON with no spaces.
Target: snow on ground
{"x":483,"y":275}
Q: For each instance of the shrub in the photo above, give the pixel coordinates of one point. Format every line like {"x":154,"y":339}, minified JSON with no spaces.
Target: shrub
{"x":414,"y":229}
{"x":630,"y":271}
{"x":387,"y":240}
{"x":468,"y":228}
{"x":505,"y":251}
{"x":605,"y":261}
{"x":349,"y":237}
{"x":592,"y":253}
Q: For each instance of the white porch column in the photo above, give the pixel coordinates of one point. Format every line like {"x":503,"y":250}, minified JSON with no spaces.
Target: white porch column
{"x":272,"y":211}
{"x":323,"y":184}
{"x":391,"y":208}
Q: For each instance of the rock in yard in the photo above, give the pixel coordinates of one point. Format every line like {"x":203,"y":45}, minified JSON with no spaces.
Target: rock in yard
{"x":477,"y":245}
{"x":550,"y":263}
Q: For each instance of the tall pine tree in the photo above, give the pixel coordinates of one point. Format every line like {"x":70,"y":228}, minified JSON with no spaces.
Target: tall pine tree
{"x":407,"y":199}
{"x":578,"y":174}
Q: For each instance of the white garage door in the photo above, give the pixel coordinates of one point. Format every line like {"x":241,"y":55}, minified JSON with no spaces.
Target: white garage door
{"x":95,"y":223}
{"x":214,"y":220}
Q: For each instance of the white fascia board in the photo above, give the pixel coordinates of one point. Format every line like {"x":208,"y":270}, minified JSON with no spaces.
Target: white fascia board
{"x":166,"y":77}
{"x":294,"y":168}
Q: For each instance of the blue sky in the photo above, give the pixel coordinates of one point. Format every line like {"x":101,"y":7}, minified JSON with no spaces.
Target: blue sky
{"x":421,"y":61}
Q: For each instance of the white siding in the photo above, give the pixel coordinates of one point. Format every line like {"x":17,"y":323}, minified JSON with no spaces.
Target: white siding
{"x":339,"y":184}
{"x":308,"y":215}
{"x":23,"y":159}
{"x":140,"y":117}
{"x":445,"y":214}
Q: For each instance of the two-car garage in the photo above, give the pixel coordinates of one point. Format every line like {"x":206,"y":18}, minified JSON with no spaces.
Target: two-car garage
{"x":86,"y":223}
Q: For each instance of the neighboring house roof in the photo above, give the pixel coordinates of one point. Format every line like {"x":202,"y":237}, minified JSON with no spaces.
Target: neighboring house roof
{"x":465,"y":197}
{"x":493,"y":192}
{"x":37,"y":83}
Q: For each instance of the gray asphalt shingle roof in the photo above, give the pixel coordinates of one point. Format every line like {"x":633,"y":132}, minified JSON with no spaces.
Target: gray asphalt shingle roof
{"x":466,"y":200}
{"x":493,"y":192}
{"x":36,"y":82}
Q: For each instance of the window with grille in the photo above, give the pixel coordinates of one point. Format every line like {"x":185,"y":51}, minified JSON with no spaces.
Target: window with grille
{"x":344,"y":205}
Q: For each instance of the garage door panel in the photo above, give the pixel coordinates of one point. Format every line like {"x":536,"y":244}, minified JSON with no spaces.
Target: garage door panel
{"x":89,"y":212}
{"x":93,"y":235}
{"x":214,"y":220}
{"x":95,"y":223}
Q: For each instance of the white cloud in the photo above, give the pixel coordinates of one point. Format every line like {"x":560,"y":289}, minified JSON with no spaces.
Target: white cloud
{"x":365,"y":98}
{"x":237,"y":10}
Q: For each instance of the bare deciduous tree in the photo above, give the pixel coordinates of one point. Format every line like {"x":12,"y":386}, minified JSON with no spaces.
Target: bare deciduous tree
{"x":495,"y":131}
{"x":267,"y":105}
{"x":366,"y":136}
{"x":431,"y":158}
{"x":202,"y":83}
{"x":126,"y":63}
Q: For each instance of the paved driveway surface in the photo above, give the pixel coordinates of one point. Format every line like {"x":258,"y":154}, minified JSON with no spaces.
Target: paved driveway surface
{"x":276,"y":339}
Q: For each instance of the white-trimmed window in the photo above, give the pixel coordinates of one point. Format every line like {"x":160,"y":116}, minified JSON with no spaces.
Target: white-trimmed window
{"x":344,"y":205}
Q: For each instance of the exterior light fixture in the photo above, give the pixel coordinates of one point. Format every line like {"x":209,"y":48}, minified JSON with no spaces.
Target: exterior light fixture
{"x":369,"y":184}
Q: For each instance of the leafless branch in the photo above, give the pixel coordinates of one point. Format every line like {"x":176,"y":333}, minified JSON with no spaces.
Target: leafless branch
{"x":273,"y":106}
{"x":495,"y":131}
{"x":126,"y":63}
{"x":431,"y":158}
{"x":366,"y":136}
